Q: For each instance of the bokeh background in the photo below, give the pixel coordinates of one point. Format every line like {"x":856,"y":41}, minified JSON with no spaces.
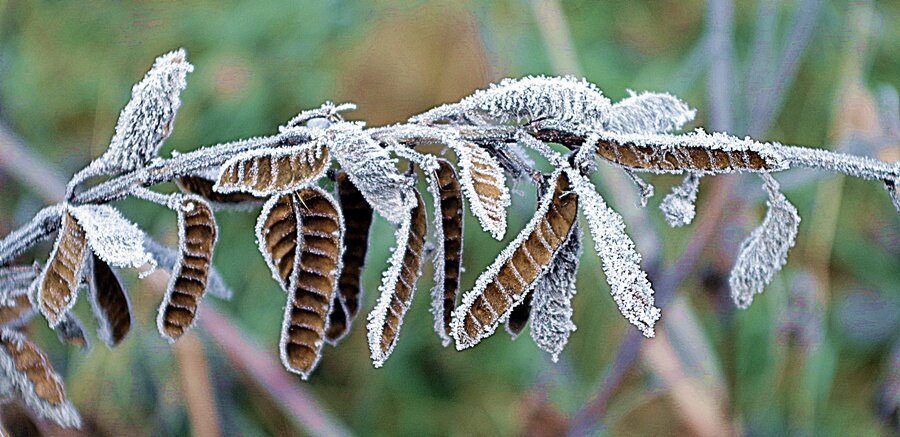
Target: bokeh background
{"x":817,"y":354}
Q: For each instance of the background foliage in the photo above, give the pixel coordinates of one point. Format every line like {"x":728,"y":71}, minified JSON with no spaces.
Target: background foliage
{"x":810,"y":356}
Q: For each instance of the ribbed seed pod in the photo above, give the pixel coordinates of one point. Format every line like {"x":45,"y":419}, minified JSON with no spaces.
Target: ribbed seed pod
{"x":358,"y":219}
{"x":28,"y":369}
{"x":197,"y":235}
{"x":313,"y":278}
{"x":505,"y":284}
{"x":271,"y":171}
{"x":15,"y":309}
{"x":451,"y":223}
{"x":643,"y":157}
{"x":399,"y":284}
{"x":204,"y":188}
{"x":59,"y":281}
{"x":110,"y":303}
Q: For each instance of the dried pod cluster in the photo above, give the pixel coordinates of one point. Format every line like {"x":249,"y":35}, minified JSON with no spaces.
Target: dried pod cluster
{"x":316,"y":246}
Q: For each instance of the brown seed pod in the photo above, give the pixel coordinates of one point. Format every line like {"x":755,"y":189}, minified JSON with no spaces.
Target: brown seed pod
{"x":312,"y":279}
{"x":357,"y":219}
{"x":204,"y":188}
{"x":448,"y":259}
{"x":485,"y":187}
{"x":642,"y":157}
{"x":519,"y":316}
{"x":399,"y":284}
{"x":110,"y":303}
{"x":505,"y":284}
{"x":30,"y":371}
{"x":270,"y":171}
{"x":197,"y":235}
{"x":60,"y":278}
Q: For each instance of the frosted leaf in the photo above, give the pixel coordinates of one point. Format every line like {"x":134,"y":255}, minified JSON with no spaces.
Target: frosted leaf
{"x":319,"y":118}
{"x":398,"y":285}
{"x":16,"y":283}
{"x":551,"y":308}
{"x":71,"y":330}
{"x":264,"y":172}
{"x":678,"y":206}
{"x":697,"y":151}
{"x":112,"y":237}
{"x":168,"y":256}
{"x":621,"y":263}
{"x":34,"y":379}
{"x":372,"y":170}
{"x":528,"y":99}
{"x":147,"y":119}
{"x":646,"y":189}
{"x":649,"y":113}
{"x":765,"y":251}
{"x":505,"y":284}
{"x":39,"y":228}
{"x":484,"y":185}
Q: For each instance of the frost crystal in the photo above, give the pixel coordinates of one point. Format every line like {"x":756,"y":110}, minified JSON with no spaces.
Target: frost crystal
{"x":372,"y":170}
{"x":678,"y":206}
{"x":531,"y":98}
{"x":622,"y":264}
{"x":649,"y":113}
{"x":551,"y":308}
{"x":765,"y":251}
{"x":112,"y":237}
{"x":147,"y":119}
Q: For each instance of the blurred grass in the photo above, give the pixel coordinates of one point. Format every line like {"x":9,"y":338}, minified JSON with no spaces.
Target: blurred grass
{"x":66,"y":69}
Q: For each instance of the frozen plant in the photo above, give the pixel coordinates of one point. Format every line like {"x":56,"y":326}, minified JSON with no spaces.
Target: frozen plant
{"x":321,"y":180}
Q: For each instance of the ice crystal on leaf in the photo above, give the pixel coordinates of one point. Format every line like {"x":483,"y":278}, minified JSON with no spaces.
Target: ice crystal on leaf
{"x":316,"y":247}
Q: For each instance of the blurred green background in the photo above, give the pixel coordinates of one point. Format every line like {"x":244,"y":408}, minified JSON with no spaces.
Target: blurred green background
{"x":817,"y":354}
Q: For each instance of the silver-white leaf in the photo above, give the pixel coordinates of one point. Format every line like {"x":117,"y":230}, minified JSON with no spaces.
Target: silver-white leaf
{"x":112,"y":237}
{"x":551,"y":306}
{"x":678,"y":206}
{"x":649,"y":113}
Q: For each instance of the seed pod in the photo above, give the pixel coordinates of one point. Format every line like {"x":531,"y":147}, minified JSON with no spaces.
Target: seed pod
{"x":485,"y":187}
{"x":358,"y":219}
{"x":519,"y":316}
{"x":312,"y":279}
{"x":110,"y":303}
{"x":275,"y":170}
{"x":399,"y":284}
{"x":197,"y":235}
{"x":505,"y":284}
{"x":60,"y":278}
{"x":15,"y":281}
{"x":204,"y":188}
{"x":31,"y":373}
{"x":276,"y":237}
{"x":448,"y":256}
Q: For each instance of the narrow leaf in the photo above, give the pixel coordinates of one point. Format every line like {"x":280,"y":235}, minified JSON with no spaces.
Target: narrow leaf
{"x":678,"y":206}
{"x":551,"y":319}
{"x":113,"y":238}
{"x":765,"y":251}
{"x":649,"y":113}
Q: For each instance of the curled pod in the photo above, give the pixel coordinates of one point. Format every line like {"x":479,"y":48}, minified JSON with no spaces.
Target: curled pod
{"x":519,"y":316}
{"x":197,"y":235}
{"x":203,"y":187}
{"x":358,"y":219}
{"x":508,"y":280}
{"x":269,"y":171}
{"x":448,"y":256}
{"x":399,"y":284}
{"x":313,"y":277}
{"x":30,"y":372}
{"x":59,"y":281}
{"x":110,"y":303}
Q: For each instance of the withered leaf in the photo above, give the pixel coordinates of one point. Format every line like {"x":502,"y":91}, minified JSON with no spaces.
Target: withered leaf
{"x":276,"y":170}
{"x":62,"y":274}
{"x":357,"y":219}
{"x":484,"y":184}
{"x":513,"y":274}
{"x":399,"y":284}
{"x":110,"y":303}
{"x":448,"y":256}
{"x":312,"y":279}
{"x":31,"y":373}
{"x":197,"y":235}
{"x":203,"y":187}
